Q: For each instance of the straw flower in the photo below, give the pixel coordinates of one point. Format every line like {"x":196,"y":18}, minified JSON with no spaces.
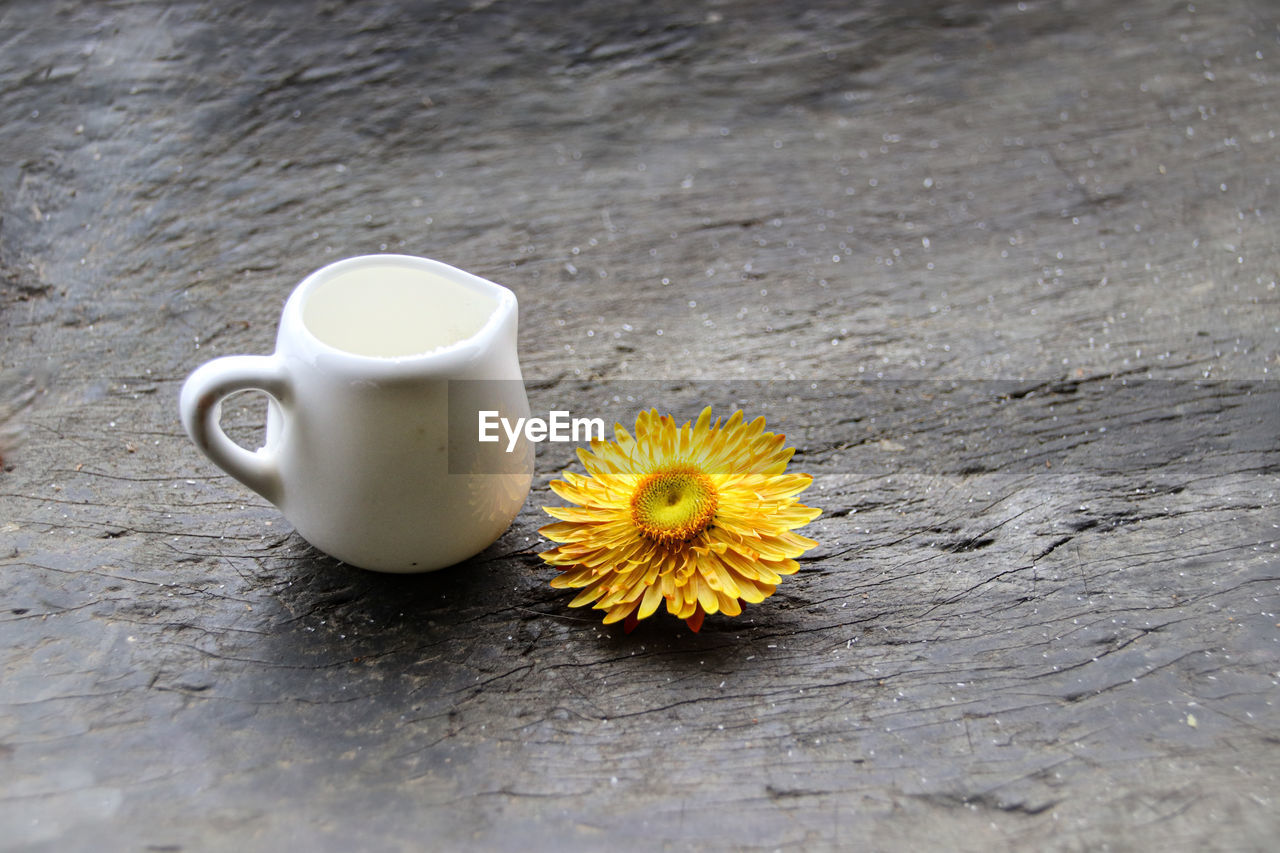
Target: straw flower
{"x":699,"y":517}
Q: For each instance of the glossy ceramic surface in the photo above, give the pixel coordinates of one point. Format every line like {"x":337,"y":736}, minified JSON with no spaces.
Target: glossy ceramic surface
{"x":359,"y":456}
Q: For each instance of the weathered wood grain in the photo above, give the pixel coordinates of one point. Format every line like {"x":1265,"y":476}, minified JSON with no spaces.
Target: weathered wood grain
{"x":1004,"y":273}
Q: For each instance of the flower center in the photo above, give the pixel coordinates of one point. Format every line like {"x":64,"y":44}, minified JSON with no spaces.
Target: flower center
{"x":673,"y":504}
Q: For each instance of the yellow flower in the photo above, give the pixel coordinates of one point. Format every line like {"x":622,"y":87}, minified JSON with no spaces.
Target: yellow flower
{"x":699,"y":517}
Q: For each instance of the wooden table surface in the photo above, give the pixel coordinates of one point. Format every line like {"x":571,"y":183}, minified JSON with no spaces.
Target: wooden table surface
{"x":1004,"y":273}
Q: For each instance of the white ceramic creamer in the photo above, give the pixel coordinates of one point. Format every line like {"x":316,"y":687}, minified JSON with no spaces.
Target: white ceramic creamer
{"x":372,"y":354}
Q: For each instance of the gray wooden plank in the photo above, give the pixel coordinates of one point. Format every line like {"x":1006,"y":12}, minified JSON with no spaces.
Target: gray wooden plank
{"x":1004,"y":273}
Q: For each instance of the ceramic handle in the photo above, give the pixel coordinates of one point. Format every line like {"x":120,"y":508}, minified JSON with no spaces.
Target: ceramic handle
{"x":201,"y":407}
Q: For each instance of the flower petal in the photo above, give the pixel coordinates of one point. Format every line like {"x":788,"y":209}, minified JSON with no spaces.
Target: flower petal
{"x":650,"y":601}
